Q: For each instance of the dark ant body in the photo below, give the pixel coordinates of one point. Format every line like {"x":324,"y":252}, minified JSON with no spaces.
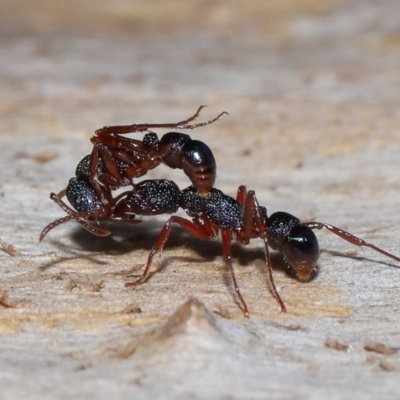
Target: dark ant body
{"x":115,"y":160}
{"x":239,"y":219}
{"x":243,"y":219}
{"x":149,"y":197}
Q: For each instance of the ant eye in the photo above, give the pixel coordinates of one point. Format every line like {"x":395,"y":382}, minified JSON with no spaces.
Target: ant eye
{"x":301,"y":251}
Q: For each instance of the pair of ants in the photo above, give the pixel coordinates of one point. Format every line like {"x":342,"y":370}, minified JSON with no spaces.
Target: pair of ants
{"x":117,"y":160}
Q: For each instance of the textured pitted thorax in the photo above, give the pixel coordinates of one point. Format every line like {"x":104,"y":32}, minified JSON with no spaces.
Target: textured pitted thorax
{"x":224,"y":211}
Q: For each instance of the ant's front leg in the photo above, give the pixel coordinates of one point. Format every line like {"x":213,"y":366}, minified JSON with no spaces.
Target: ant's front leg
{"x":202,"y":231}
{"x":254,"y":225}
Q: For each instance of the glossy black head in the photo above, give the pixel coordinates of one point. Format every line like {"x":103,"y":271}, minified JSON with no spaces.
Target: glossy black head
{"x":298,"y":243}
{"x":300,"y":249}
{"x":199,"y":165}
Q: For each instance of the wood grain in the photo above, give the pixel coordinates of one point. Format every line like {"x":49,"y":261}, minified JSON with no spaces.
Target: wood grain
{"x":312,"y":91}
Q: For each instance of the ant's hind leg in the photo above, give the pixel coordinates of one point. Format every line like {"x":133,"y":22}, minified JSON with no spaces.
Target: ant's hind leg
{"x":205,"y":231}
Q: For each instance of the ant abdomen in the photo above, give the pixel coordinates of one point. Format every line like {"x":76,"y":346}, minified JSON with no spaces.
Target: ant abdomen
{"x":199,"y":165}
{"x":193,"y":156}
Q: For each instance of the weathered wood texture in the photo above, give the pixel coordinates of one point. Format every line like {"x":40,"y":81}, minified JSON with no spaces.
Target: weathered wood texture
{"x":313,"y":93}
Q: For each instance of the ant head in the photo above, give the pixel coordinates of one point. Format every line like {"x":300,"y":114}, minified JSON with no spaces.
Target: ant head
{"x":300,"y":249}
{"x":297,"y":242}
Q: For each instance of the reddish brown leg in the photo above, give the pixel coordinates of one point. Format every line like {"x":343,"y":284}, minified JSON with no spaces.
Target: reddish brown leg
{"x":241,"y":194}
{"x":349,"y":237}
{"x":112,"y":171}
{"x":206,"y":231}
{"x":80,"y":217}
{"x":144,"y":127}
{"x":252,"y":221}
{"x":226,"y":248}
{"x":52,"y":225}
{"x":114,"y":141}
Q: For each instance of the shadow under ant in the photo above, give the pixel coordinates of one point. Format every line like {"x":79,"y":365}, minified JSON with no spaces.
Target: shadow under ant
{"x":125,"y":238}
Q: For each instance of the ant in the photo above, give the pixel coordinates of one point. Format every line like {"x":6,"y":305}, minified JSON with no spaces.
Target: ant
{"x":242,"y":219}
{"x":116,"y":160}
{"x":239,"y":219}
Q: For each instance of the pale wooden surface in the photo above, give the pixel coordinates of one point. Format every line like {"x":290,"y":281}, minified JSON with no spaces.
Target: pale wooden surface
{"x":313,"y":95}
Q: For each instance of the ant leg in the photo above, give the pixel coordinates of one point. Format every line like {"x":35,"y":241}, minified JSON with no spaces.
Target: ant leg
{"x":226,"y":248}
{"x":81,"y":218}
{"x":241,"y":194}
{"x":252,"y":220}
{"x":111,"y":167}
{"x":52,"y":225}
{"x":62,"y":193}
{"x":206,"y":231}
{"x":179,"y":125}
{"x":349,"y":237}
{"x":144,"y":127}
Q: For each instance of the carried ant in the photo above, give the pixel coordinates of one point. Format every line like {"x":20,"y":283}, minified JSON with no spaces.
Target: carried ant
{"x":116,"y":160}
{"x":239,"y":219}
